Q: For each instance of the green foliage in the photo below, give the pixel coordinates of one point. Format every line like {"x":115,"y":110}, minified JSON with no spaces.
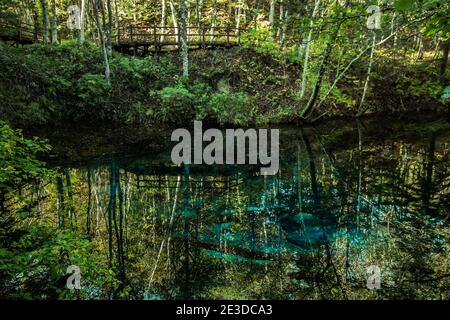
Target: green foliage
{"x":34,"y":266}
{"x":438,"y":23}
{"x":428,"y":88}
{"x":261,"y":40}
{"x":202,"y":94}
{"x":93,"y":88}
{"x":403,"y":5}
{"x":135,"y":73}
{"x":18,"y":163}
{"x":183,"y":102}
{"x":232,"y":108}
{"x":34,"y":256}
{"x":340,"y":98}
{"x":176,"y":102}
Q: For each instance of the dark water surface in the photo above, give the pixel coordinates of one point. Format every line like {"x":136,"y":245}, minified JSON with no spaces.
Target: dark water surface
{"x":349,"y":195}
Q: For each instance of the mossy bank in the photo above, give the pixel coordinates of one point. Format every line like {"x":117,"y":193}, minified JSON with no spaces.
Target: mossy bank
{"x":56,"y":84}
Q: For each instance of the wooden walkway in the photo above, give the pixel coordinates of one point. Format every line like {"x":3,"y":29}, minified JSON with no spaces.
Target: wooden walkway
{"x":134,"y":39}
{"x":18,"y":32}
{"x":142,"y":39}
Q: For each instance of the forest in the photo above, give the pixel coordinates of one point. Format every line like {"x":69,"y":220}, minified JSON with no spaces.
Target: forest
{"x":90,"y":91}
{"x":272,"y":61}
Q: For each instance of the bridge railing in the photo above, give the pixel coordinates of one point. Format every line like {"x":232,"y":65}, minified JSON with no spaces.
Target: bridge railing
{"x":157,"y":35}
{"x":14,"y":30}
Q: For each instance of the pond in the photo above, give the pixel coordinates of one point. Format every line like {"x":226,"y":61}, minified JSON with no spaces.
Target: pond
{"x":358,"y":210}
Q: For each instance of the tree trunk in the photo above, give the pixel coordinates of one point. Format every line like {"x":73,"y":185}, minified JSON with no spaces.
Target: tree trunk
{"x":305,"y":49}
{"x":186,"y":209}
{"x":279,"y":29}
{"x":271,"y":16}
{"x":89,"y":204}
{"x":163,"y":18}
{"x":188,"y":12}
{"x":366,"y":84}
{"x":111,"y":209}
{"x":360,"y":174}
{"x":45,"y":22}
{"x":172,"y":217}
{"x":184,"y":46}
{"x":427,"y":181}
{"x":394,"y":45}
{"x":53,"y":24}
{"x":109,"y":32}
{"x":255,"y":18}
{"x":174,"y":19}
{"x":312,"y":100}
{"x":134,"y":10}
{"x":60,"y":201}
{"x":313,"y":174}
{"x":198,"y":12}
{"x":35,"y":21}
{"x":116,"y":21}
{"x":284,"y":28}
{"x":238,"y":16}
{"x":119,"y":230}
{"x":444,"y":62}
{"x":83,"y":9}
{"x":97,"y":3}
{"x":213,"y":21}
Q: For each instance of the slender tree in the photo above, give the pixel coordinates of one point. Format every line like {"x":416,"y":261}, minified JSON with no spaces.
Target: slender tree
{"x":97,"y":4}
{"x":444,"y":62}
{"x":109,"y":26}
{"x":184,"y":45}
{"x":35,"y":20}
{"x":324,"y":64}
{"x":175,"y":22}
{"x":306,"y":46}
{"x":116,"y":21}
{"x":369,"y":70}
{"x":82,"y":17}
{"x":163,"y":18}
{"x":272,"y":16}
{"x":45,"y":22}
{"x":238,"y":15}
{"x":213,"y":20}
{"x":53,"y":24}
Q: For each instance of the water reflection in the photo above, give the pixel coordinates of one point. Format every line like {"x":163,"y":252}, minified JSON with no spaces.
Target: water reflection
{"x":345,"y":198}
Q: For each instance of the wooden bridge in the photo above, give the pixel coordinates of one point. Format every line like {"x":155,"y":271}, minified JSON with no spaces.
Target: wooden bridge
{"x":142,"y":39}
{"x":18,"y":32}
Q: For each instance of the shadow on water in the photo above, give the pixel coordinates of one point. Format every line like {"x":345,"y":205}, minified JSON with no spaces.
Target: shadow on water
{"x":347,"y":196}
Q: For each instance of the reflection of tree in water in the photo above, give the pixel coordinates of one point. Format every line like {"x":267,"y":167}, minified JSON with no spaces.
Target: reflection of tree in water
{"x":308,"y":232}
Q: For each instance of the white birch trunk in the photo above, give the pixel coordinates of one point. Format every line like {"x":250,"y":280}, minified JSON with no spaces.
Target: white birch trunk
{"x":102,"y":42}
{"x":53,"y":24}
{"x":306,"y":46}
{"x":184,"y":46}
{"x":271,"y":16}
{"x":163,"y":18}
{"x":213,"y":21}
{"x":174,"y":20}
{"x":81,"y":34}
{"x":369,"y":70}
